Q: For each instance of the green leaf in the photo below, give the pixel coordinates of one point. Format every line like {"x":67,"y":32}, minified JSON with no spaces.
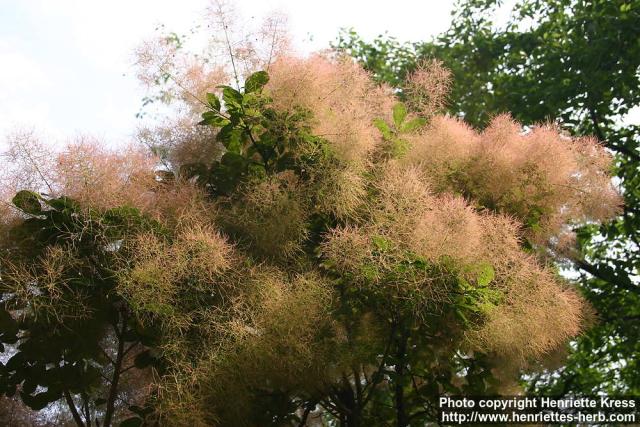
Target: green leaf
{"x":233,"y":160}
{"x":144,"y":359}
{"x":62,"y":203}
{"x":232,"y":98}
{"x":381,"y":243}
{"x":399,"y":114}
{"x":400,"y":147}
{"x":213,"y":101}
{"x":225,"y":133}
{"x":461,"y":315}
{"x":256,"y":170}
{"x":131,"y":422}
{"x":233,"y":143}
{"x":414,"y":124}
{"x":486,"y":274}
{"x":28,"y":202}
{"x":383,"y":127}
{"x":211,"y":118}
{"x":40,"y":400}
{"x":256,"y":81}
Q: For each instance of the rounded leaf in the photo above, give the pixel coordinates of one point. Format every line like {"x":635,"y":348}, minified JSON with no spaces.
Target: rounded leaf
{"x":28,"y":202}
{"x":256,"y":81}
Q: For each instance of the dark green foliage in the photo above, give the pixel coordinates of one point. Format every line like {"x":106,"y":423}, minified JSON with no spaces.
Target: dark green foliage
{"x":59,"y":334}
{"x":258,"y":140}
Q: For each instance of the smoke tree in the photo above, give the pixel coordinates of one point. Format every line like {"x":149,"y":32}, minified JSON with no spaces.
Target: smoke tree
{"x":302,"y":248}
{"x":583,"y":59}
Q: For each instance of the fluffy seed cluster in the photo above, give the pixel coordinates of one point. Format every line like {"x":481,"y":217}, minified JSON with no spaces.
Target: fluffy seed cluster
{"x":411,"y":224}
{"x":290,"y":331}
{"x":541,"y":177}
{"x":341,"y":96}
{"x":83,"y":170}
{"x":161,"y":271}
{"x":426,"y":89}
{"x":271,"y":217}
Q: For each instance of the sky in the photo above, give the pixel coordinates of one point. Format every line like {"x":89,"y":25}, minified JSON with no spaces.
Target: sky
{"x":66,"y":65}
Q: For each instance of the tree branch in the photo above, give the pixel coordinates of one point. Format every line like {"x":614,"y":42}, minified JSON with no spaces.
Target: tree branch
{"x":85,"y":405}
{"x":113,"y":390}
{"x":401,"y":411}
{"x":73,"y":409}
{"x":611,"y":278}
{"x":305,"y":415}
{"x":600,"y":134}
{"x":377,"y":375}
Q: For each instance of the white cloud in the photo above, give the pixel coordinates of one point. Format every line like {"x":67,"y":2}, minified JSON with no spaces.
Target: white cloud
{"x":66,"y":64}
{"x":22,"y":84}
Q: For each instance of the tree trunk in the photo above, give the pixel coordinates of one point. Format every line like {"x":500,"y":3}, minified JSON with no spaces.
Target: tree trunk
{"x":113,"y":390}
{"x":401,"y":410}
{"x":73,"y":409}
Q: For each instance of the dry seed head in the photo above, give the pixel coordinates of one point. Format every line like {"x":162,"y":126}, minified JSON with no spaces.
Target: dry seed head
{"x":180,"y":203}
{"x":27,"y":164}
{"x":82,"y":170}
{"x":343,"y":99}
{"x":148,"y":285}
{"x":537,"y":315}
{"x":203,"y":252}
{"x":427,"y":87}
{"x":401,"y":193}
{"x":541,"y":177}
{"x":442,"y":150}
{"x":342,"y":191}
{"x":101,"y":178}
{"x":44,"y":285}
{"x":447,"y":229}
{"x":270,"y":217}
{"x":347,"y":248}
{"x":198,"y":258}
{"x":280,"y":345}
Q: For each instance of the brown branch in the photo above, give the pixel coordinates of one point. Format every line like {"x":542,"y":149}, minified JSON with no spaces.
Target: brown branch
{"x":401,"y":411}
{"x":614,"y":279}
{"x":131,"y":347}
{"x":358,"y":384}
{"x":35,"y":165}
{"x":127,"y":369}
{"x":113,"y":390}
{"x":273,"y":44}
{"x":73,"y":409}
{"x":377,"y":375}
{"x":305,"y":415}
{"x":225,"y":29}
{"x":107,"y":355}
{"x":87,"y":414}
{"x":330,"y":407}
{"x":600,"y":134}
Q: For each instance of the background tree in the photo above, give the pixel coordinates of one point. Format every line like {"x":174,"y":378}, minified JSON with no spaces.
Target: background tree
{"x":583,"y":58}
